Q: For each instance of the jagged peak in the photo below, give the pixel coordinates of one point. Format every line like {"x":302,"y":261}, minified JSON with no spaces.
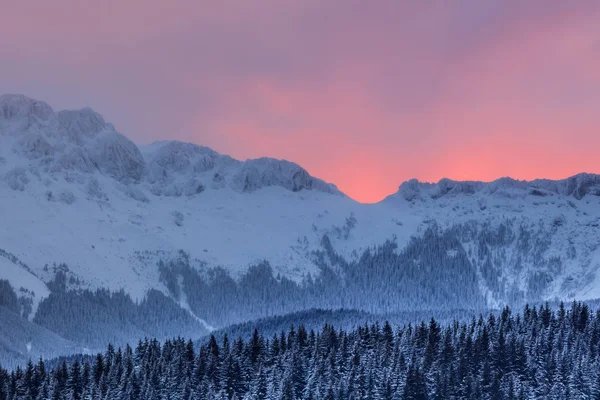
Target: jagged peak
{"x":177,"y":156}
{"x":82,"y":140}
{"x":577,"y":186}
{"x":265,"y":171}
{"x":68,"y":140}
{"x":168,"y":160}
{"x":14,"y":106}
{"x":82,"y":123}
{"x":176,"y":145}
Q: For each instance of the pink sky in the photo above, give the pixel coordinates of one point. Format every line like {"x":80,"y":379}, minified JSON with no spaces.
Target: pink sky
{"x":362,"y":94}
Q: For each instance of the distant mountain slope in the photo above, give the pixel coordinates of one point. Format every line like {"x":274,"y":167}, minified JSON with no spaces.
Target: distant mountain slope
{"x":81,"y":142}
{"x":577,"y":186}
{"x":73,"y":322}
{"x":21,"y":340}
{"x":226,"y":240}
{"x":72,"y":173}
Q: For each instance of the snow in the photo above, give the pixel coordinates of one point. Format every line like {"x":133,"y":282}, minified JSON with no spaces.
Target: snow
{"x":183,"y":303}
{"x":73,"y":190}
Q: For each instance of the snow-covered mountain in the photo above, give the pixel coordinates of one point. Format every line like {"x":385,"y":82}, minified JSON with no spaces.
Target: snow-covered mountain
{"x":75,"y":191}
{"x":95,"y":201}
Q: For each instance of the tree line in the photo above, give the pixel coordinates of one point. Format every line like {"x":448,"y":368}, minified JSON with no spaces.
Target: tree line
{"x":537,"y":353}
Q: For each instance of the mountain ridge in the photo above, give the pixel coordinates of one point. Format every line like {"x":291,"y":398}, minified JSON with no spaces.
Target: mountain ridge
{"x":87,"y":142}
{"x":82,"y":141}
{"x":578,"y":186}
{"x":85,"y":209}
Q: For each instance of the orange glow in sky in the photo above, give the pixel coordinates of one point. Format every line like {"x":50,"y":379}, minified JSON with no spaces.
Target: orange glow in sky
{"x":362,"y":94}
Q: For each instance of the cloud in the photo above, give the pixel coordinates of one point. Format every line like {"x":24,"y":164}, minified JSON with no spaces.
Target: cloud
{"x":364,"y":94}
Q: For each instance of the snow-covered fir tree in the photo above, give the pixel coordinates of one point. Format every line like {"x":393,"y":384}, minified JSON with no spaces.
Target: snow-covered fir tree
{"x":538,"y":353}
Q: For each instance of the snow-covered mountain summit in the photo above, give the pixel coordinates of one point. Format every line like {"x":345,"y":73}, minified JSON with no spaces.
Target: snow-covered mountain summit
{"x":36,"y":140}
{"x":577,"y":186}
{"x":81,"y":142}
{"x":74,"y":190}
{"x":175,"y":168}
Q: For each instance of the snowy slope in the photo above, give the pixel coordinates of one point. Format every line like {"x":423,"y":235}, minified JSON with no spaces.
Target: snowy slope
{"x":73,"y":190}
{"x":550,"y":220}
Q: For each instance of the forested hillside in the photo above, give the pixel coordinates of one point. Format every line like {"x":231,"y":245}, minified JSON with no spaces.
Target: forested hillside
{"x":538,"y":353}
{"x":464,"y":266}
{"x":78,"y":195}
{"x":69,"y":322}
{"x":103,"y":240}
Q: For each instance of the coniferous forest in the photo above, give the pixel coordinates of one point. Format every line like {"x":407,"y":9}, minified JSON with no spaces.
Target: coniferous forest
{"x":538,"y":353}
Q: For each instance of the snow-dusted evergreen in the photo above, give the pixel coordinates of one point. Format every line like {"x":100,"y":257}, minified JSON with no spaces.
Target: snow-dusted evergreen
{"x":539,"y":353}
{"x":91,"y":221}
